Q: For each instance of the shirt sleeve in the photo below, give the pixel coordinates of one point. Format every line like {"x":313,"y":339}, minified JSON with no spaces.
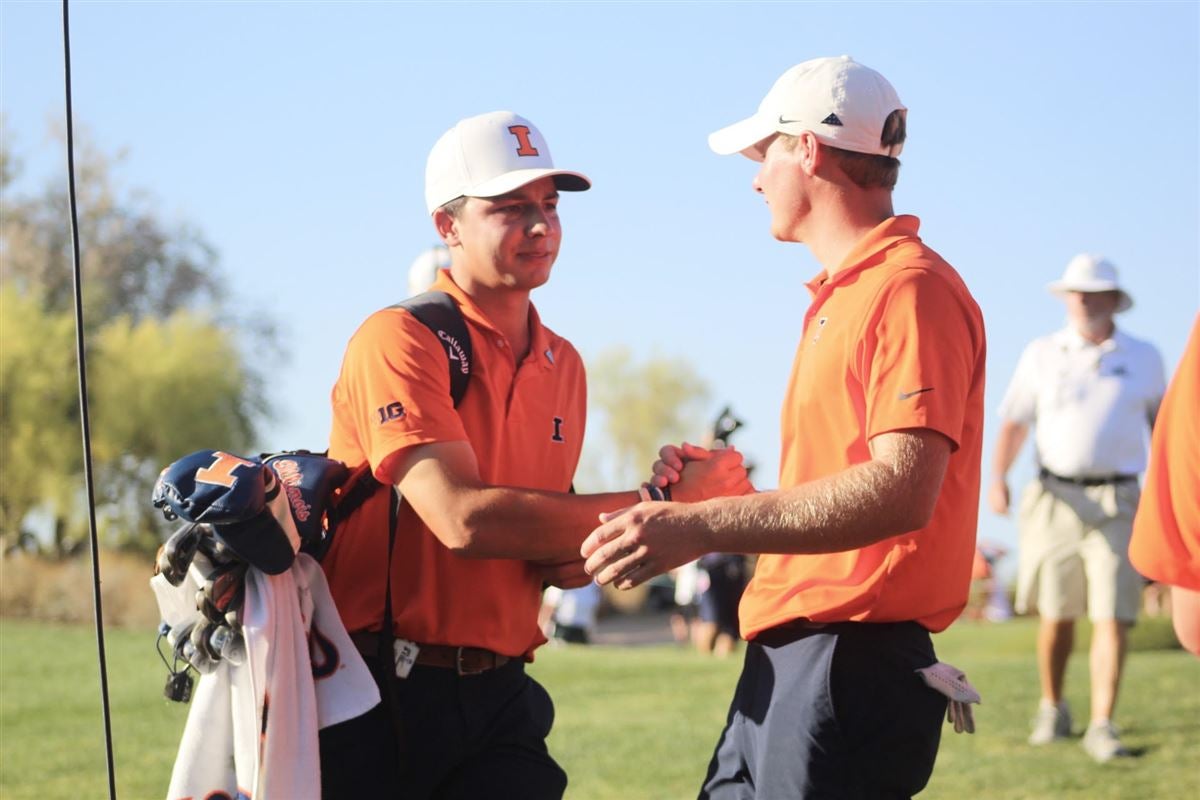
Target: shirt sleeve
{"x":919,"y":355}
{"x":1020,"y":399}
{"x":395,"y":389}
{"x":1165,"y":545}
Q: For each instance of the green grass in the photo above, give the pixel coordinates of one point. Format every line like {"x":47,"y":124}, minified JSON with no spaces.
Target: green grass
{"x":632,"y":723}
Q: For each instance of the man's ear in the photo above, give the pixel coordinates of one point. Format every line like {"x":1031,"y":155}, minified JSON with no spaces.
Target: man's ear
{"x":447,"y":227}
{"x":811,"y":154}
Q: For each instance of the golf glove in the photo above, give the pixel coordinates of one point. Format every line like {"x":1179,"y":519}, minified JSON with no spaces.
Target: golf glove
{"x":952,"y":682}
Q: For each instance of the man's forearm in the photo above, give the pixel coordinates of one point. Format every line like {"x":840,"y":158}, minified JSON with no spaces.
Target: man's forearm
{"x":1008,"y":445}
{"x":857,"y":507}
{"x":478,"y":520}
{"x":893,"y":493}
{"x":510,"y":522}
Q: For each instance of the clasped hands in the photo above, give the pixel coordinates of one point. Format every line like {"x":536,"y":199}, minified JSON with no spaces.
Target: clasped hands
{"x":636,"y":543}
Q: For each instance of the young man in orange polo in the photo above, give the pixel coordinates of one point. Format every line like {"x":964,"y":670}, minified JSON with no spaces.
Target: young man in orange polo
{"x":444,"y":605}
{"x":868,"y":543}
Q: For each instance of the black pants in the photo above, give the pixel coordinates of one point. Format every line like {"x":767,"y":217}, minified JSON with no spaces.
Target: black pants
{"x":574,"y":634}
{"x":459,"y":737}
{"x":833,"y":712}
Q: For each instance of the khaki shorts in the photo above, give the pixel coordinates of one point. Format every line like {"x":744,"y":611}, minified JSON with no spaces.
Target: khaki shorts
{"x":1074,"y":551}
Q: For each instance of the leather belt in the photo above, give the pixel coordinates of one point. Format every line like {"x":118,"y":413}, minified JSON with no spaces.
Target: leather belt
{"x":463,"y":660}
{"x":1100,"y":480}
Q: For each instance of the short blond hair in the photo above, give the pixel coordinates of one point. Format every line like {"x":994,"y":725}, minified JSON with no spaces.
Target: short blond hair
{"x":865,"y":170}
{"x":454,"y":207}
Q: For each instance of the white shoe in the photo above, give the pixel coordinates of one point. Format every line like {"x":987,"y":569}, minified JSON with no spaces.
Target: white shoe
{"x":1102,"y":743}
{"x":1052,"y":722}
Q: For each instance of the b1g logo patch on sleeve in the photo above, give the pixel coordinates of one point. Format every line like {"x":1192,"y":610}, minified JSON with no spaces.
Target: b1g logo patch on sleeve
{"x":392,"y":411}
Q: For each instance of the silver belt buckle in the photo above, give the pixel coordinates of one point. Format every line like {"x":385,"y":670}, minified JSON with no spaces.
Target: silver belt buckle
{"x":458,"y":664}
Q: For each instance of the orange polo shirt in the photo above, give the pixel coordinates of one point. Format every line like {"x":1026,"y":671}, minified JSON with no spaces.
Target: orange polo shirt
{"x":893,"y":341}
{"x":1166,"y":531}
{"x":525,"y":423}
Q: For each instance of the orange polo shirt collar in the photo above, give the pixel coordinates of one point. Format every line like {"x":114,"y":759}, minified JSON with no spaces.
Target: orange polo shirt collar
{"x":540,"y":349}
{"x":887,"y":233}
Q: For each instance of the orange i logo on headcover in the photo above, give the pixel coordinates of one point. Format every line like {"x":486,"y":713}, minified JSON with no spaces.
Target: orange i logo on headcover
{"x":220,"y":472}
{"x":525,"y":147}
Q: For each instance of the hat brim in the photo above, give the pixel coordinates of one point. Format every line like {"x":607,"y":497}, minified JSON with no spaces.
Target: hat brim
{"x":1059,"y":288}
{"x":742,"y":137}
{"x":564,"y":181}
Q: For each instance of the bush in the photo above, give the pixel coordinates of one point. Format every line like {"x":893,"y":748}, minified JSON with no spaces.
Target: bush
{"x":35,"y":587}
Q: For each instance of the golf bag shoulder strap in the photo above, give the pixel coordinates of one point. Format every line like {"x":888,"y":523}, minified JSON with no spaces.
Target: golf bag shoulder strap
{"x":439,"y":312}
{"x":360,"y":485}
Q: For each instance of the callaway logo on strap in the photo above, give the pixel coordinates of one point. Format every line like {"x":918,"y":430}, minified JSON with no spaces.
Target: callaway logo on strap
{"x":438,"y":312}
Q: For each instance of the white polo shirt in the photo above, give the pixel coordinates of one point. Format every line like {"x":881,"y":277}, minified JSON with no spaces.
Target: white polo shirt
{"x":1091,"y":405}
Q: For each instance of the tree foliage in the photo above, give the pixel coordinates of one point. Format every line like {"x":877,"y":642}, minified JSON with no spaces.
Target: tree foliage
{"x":166,"y":372}
{"x":641,"y":407}
{"x":39,"y":410}
{"x":132,"y":262}
{"x":163,"y":388}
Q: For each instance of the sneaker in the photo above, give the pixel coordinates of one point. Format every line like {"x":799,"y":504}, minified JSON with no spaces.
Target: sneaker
{"x":1102,"y":743}
{"x":1052,"y":722}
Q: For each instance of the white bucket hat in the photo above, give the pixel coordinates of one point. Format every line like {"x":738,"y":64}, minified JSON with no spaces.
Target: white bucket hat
{"x":1091,"y":273}
{"x":489,"y":155}
{"x":842,"y":103}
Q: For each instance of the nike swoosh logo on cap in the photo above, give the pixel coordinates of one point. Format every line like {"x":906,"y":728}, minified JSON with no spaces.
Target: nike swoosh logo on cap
{"x":915,"y":392}
{"x":783,"y":121}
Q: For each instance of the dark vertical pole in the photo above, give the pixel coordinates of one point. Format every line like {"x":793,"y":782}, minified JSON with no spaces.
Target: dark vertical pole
{"x":83,"y":406}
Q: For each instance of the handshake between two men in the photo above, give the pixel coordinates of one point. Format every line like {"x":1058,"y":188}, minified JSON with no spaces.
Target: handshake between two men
{"x":634,"y":544}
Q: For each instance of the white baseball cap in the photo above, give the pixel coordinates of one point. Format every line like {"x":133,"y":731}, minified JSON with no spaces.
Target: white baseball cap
{"x":842,"y":103}
{"x":489,"y":155}
{"x":1091,"y":273}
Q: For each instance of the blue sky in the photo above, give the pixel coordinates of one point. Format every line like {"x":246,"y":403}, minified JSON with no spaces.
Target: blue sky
{"x":294,"y":135}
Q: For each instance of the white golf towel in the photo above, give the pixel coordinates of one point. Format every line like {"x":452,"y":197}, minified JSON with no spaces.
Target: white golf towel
{"x":251,"y":733}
